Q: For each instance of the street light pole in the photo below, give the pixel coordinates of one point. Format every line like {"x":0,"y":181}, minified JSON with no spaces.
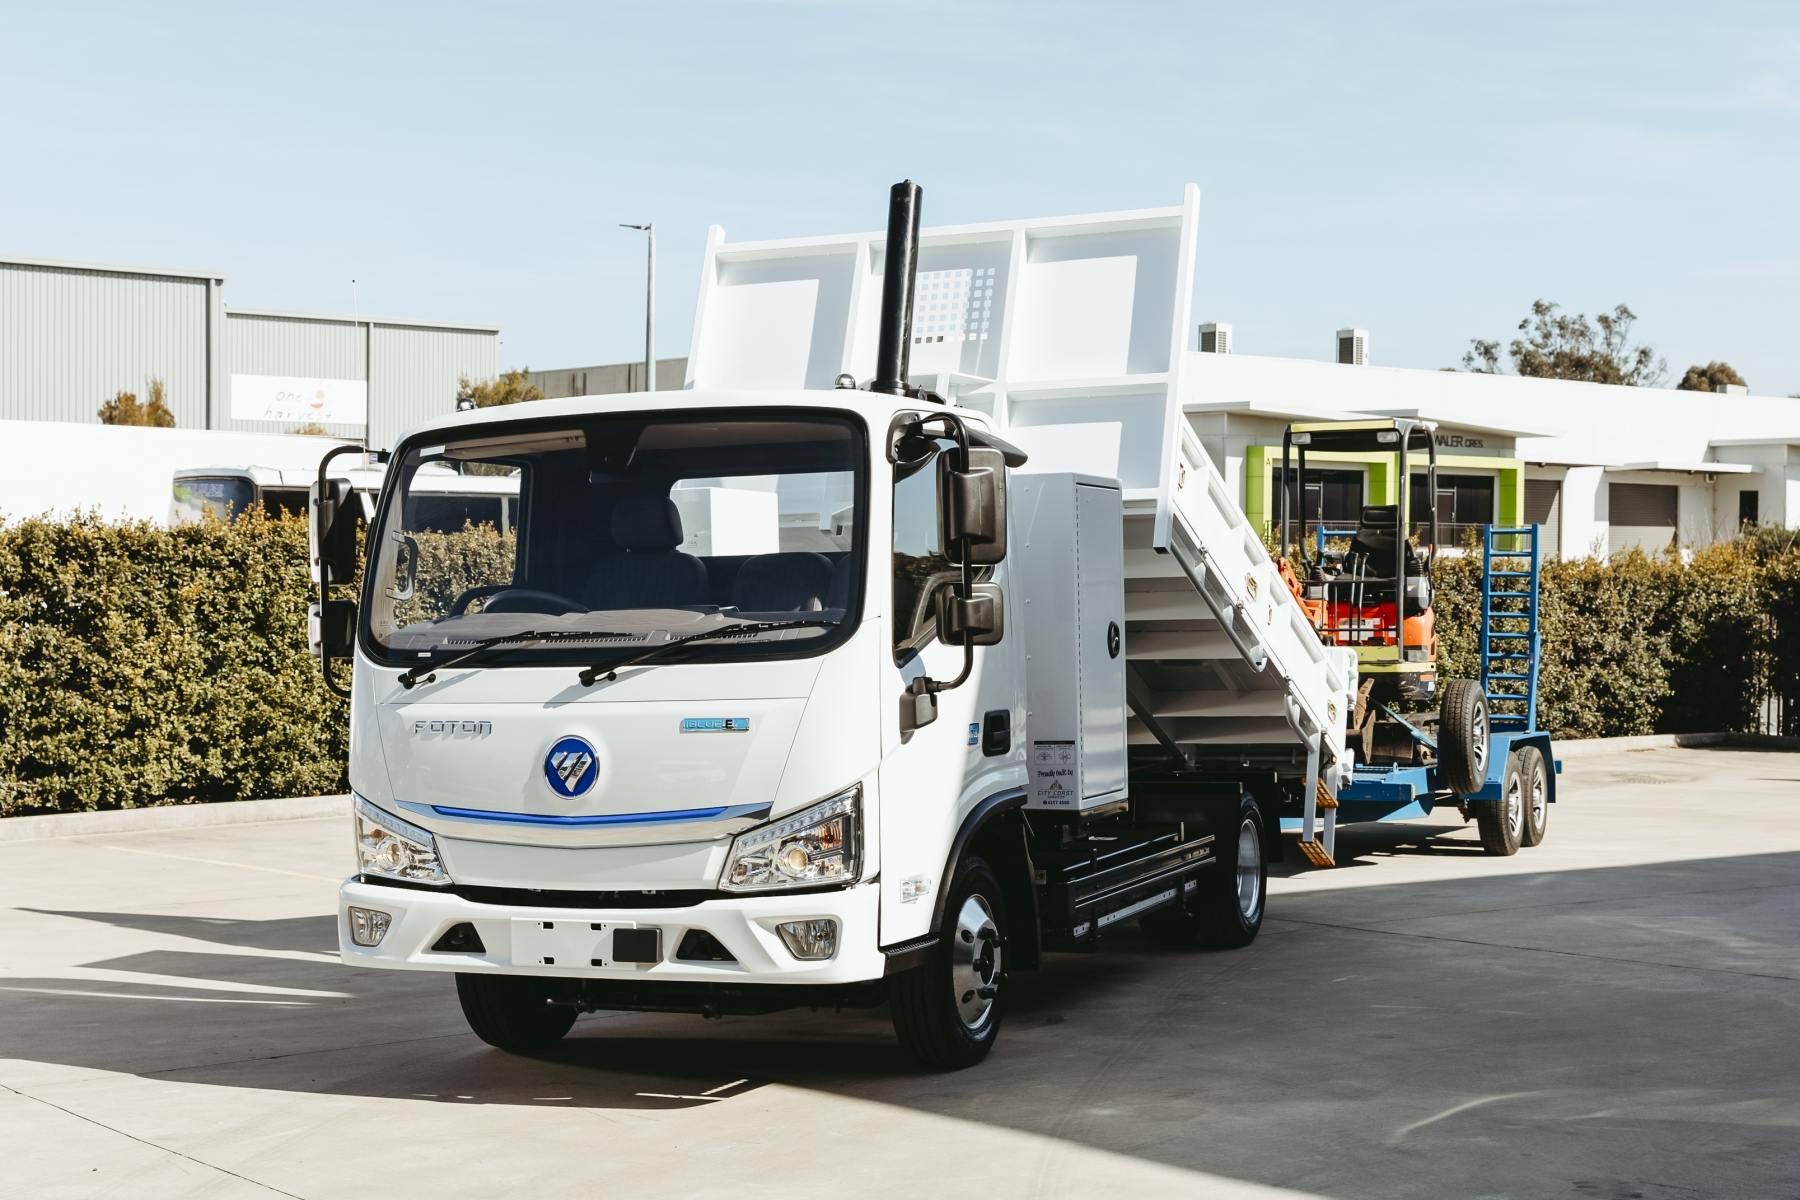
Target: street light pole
{"x":649,"y":305}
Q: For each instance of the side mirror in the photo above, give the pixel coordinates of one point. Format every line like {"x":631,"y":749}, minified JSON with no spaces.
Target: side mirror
{"x":331,"y":629}
{"x":406,"y":566}
{"x":918,"y":708}
{"x":332,"y":531}
{"x":972,"y":505}
{"x":979,"y":620}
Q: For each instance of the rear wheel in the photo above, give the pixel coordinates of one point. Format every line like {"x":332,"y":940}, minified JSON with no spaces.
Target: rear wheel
{"x":1463,"y":736}
{"x":1502,"y":822}
{"x":947,"y":1009}
{"x":1226,"y":910}
{"x":1537,"y":796}
{"x":513,"y":1012}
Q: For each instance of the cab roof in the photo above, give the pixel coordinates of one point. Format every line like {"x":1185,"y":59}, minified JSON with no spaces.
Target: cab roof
{"x":878,"y":408}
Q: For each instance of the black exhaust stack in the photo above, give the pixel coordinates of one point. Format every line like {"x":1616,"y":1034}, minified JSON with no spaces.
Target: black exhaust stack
{"x":894,"y":351}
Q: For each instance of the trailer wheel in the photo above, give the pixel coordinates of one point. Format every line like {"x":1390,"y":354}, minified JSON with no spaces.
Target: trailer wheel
{"x":1537,"y":796}
{"x":1226,"y":910}
{"x":1502,"y":822}
{"x":513,"y":1012}
{"x":1463,"y":736}
{"x":947,"y":1009}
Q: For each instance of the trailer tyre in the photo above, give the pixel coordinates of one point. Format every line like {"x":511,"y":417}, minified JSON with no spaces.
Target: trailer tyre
{"x":1502,"y":822}
{"x":1537,"y":796}
{"x":513,"y":1012}
{"x":1225,"y":910}
{"x":947,"y":1009}
{"x":1463,"y":736}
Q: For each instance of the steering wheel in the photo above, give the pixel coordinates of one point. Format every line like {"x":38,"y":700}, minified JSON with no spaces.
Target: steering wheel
{"x":503,"y":598}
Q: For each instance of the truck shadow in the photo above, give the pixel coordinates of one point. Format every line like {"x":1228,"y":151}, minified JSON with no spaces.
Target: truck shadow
{"x":1356,"y":1015}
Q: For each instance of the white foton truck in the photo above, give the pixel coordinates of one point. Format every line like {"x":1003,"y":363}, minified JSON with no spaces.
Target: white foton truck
{"x":967,"y":664}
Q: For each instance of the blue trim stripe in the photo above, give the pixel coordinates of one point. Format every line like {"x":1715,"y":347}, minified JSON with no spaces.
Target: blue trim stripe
{"x":667,"y":817}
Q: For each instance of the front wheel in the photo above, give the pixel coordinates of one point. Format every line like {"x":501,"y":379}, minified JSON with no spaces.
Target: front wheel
{"x":513,"y":1012}
{"x":1225,"y":910}
{"x":947,"y":1009}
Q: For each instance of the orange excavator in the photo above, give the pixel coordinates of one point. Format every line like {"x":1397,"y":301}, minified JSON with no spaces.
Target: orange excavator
{"x":1369,"y":587}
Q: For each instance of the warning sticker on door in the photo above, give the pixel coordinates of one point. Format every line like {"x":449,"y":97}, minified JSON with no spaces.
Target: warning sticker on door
{"x":1053,"y":774}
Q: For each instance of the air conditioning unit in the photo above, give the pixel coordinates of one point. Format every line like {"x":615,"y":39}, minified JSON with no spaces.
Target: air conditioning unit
{"x":1215,"y":337}
{"x":1353,"y":347}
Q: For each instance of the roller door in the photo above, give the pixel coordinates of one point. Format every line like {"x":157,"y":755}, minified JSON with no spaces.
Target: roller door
{"x":1543,"y":506}
{"x":1641,"y":515}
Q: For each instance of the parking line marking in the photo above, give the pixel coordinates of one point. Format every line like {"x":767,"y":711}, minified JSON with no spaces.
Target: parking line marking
{"x":219,"y":862}
{"x":142,"y":996}
{"x":723,"y":1087}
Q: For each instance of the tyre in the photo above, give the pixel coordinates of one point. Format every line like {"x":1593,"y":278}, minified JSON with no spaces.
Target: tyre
{"x":947,"y":1009}
{"x":1463,"y":736}
{"x":1537,"y":796}
{"x":1502,"y":822}
{"x":1226,"y":910}
{"x":513,"y":1012}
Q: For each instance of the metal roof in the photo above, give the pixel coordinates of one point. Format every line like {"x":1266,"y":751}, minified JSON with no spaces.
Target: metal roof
{"x":346,"y":319}
{"x":66,"y":264}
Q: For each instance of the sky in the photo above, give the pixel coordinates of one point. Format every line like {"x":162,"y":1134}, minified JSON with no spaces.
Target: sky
{"x":1421,"y":170}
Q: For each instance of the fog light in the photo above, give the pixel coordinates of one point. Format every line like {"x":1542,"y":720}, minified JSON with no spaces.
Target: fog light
{"x":368,"y":925}
{"x":810,"y":939}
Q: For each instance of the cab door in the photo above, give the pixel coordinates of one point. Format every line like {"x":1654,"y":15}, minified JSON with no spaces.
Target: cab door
{"x":933,"y":776}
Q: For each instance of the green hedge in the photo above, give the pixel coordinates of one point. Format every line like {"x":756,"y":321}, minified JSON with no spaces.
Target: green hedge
{"x":1641,"y":644}
{"x":148,"y":666}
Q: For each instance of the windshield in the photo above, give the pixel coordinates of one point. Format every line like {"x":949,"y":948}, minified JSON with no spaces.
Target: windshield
{"x":606,"y":536}
{"x":222,"y":496}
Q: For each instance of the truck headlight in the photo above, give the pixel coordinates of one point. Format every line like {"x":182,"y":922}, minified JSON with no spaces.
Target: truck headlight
{"x":816,"y":846}
{"x":391,"y":848}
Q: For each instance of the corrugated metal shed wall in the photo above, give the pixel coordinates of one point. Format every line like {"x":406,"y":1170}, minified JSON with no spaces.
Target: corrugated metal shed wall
{"x":266,"y":344}
{"x":72,"y":337}
{"x":414,"y":374}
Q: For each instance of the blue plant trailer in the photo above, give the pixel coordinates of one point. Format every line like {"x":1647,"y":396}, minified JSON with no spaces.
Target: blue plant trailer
{"x":1511,"y":803}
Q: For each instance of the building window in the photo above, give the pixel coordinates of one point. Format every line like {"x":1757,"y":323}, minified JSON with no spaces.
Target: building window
{"x":1339,"y":492}
{"x":1748,"y":500}
{"x":1464,"y":504}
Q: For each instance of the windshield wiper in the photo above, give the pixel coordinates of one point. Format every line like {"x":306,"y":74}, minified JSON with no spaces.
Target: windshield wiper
{"x":412,"y":675}
{"x":610,"y":670}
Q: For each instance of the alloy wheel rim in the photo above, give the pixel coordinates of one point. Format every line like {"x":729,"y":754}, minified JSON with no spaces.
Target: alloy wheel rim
{"x":1249,"y":871}
{"x":1540,"y":807}
{"x":1515,"y":805}
{"x":975,"y":962}
{"x":1479,"y":734}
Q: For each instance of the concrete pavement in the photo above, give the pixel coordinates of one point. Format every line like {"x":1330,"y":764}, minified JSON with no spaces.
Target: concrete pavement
{"x":1612,"y":1014}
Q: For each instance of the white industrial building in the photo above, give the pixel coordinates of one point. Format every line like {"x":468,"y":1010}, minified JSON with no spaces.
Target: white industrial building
{"x":1601,"y":467}
{"x":73,"y":334}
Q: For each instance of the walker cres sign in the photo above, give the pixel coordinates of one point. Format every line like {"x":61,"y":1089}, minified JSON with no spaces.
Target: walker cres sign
{"x":299,"y":401}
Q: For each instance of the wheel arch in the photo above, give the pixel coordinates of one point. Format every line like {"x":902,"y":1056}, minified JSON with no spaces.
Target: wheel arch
{"x":995,"y":828}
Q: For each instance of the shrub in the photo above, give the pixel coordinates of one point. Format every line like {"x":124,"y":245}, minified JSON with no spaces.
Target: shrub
{"x":126,"y":409}
{"x":144,"y":666}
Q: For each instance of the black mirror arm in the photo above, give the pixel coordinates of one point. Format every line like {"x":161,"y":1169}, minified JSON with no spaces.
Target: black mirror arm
{"x":959,"y":433}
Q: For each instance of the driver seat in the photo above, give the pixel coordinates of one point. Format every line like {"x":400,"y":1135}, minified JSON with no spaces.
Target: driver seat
{"x":1375,"y":548}
{"x":651,"y":572}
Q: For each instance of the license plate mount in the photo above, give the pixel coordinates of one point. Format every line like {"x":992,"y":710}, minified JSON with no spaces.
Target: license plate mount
{"x":557,"y":942}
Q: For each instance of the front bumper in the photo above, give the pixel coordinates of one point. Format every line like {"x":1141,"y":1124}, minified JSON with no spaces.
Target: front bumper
{"x":744,"y":925}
